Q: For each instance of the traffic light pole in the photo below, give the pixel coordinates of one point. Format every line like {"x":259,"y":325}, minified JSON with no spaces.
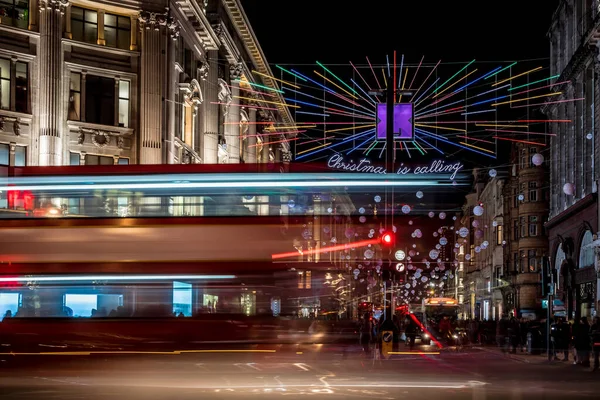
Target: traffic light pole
{"x":550,"y":306}
{"x":389,"y":127}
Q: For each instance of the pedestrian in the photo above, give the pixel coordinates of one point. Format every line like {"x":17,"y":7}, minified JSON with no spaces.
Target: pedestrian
{"x":581,"y":340}
{"x":365,"y":333}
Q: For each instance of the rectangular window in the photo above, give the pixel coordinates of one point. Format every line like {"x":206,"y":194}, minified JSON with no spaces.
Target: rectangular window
{"x":499,"y":237}
{"x":308,"y":279}
{"x":533,"y":191}
{"x":516,"y":262}
{"x":523,"y":158}
{"x":523,"y":225}
{"x":532,"y":261}
{"x":523,"y":260}
{"x":117,"y":31}
{"x":123,"y":161}
{"x":516,"y":229}
{"x":75,"y":97}
{"x":20,"y":156}
{"x":74,"y":158}
{"x":91,"y":159}
{"x":5,"y":83}
{"x":21,"y":87}
{"x":15,"y":13}
{"x":100,"y":100}
{"x":533,"y":225}
{"x":300,"y":280}
{"x":515,"y":198}
{"x":188,"y":125}
{"x":124,"y":94}
{"x":4,"y":154}
{"x":84,"y":25}
{"x":532,"y":151}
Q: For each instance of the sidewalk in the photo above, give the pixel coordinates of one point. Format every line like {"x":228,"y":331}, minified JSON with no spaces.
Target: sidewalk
{"x":525,"y":357}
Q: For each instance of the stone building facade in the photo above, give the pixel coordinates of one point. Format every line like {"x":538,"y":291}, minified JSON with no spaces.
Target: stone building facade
{"x":152,"y":82}
{"x":573,"y":212}
{"x":526,"y":241}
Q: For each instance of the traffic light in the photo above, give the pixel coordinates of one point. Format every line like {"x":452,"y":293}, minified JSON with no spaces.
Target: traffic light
{"x":546,"y":277}
{"x":387,"y":239}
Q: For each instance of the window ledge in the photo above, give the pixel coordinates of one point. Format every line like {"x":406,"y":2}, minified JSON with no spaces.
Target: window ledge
{"x":23,"y":117}
{"x":106,"y":49}
{"x":114,"y":130}
{"x":26,"y":32}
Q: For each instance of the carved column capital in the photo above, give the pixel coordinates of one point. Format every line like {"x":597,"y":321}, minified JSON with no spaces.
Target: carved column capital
{"x":53,"y":5}
{"x":203,"y":71}
{"x":153,"y":20}
{"x":236,"y":71}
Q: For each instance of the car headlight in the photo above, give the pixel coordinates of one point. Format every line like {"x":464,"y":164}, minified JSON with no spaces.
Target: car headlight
{"x":425,"y":336}
{"x":455,"y":336}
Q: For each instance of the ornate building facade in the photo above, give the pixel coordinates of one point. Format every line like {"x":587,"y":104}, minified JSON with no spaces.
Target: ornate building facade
{"x":151,"y":82}
{"x":573,"y":214}
{"x":525,"y":240}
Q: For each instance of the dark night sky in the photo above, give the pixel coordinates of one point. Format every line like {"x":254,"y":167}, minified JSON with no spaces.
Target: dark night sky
{"x":337,"y":31}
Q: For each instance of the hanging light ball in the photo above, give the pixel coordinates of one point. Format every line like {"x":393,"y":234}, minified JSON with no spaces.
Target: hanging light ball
{"x":431,"y":214}
{"x":537,"y":159}
{"x":569,"y":189}
{"x":478,"y":211}
{"x":493,"y":173}
{"x":442,"y":215}
{"x":406,"y":209}
{"x":419,"y":195}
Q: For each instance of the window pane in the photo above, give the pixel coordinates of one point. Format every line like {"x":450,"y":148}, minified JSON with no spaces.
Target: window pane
{"x":20,"y":156}
{"x":91,"y":16}
{"x":124,"y":39}
{"x":21,"y":70}
{"x":100,"y":100}
{"x":74,"y":106}
{"x":21,"y":88}
{"x":77,"y":30}
{"x":124,"y":113}
{"x":123,"y":161}
{"x":4,"y":93}
{"x":125,"y":23}
{"x":74,"y":158}
{"x":4,"y":154}
{"x":76,"y":13}
{"x":106,"y":160}
{"x":124,"y":89}
{"x":4,"y":68}
{"x":110,"y":20}
{"x":110,"y":35}
{"x":91,"y":33}
{"x":91,"y":159}
{"x":75,"y":82}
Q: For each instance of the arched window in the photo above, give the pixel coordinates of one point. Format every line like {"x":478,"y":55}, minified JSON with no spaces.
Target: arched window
{"x":586,"y":254}
{"x":559,"y":258}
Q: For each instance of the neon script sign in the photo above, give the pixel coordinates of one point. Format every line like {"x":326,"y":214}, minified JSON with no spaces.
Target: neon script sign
{"x":365,"y":166}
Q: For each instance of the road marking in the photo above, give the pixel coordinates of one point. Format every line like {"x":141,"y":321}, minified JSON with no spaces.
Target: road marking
{"x":118,"y":352}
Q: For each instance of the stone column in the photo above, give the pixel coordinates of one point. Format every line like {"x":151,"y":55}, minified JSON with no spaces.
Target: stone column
{"x":50,"y":61}
{"x":251,"y":142}
{"x":151,"y":79}
{"x":232,"y":129}
{"x":209,"y":71}
{"x":264,"y":155}
{"x":101,"y":41}
{"x":172,"y":87}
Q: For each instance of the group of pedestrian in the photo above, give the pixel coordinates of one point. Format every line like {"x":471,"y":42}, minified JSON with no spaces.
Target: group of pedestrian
{"x":579,"y":335}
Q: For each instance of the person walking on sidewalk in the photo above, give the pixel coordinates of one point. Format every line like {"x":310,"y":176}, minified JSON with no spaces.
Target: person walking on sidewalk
{"x":595,"y":339}
{"x":581,"y":341}
{"x":366,"y":328}
{"x":502,"y":332}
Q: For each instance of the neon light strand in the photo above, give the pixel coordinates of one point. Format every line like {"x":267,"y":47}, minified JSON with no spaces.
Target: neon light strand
{"x":291,"y":73}
{"x":275,"y":133}
{"x":266,"y":101}
{"x":533,"y":83}
{"x":359,"y":145}
{"x":541,"y":87}
{"x":387,"y":59}
{"x":521,"y":132}
{"x":365,"y":93}
{"x":416,"y":72}
{"x":361,"y":77}
{"x":516,"y":76}
{"x":244,"y":105}
{"x":373,"y":71}
{"x":475,"y":139}
{"x":275,"y":142}
{"x":384,"y":78}
{"x":441,"y":127}
{"x":526,"y":99}
{"x":315,"y":140}
{"x":337,"y":86}
{"x":275,"y":79}
{"x":252,"y":91}
{"x":452,"y":77}
{"x":449,"y":87}
{"x":403,"y":83}
{"x":479,"y":112}
{"x":395,"y":73}
{"x":549,"y":102}
{"x":336,"y":77}
{"x":349,"y":128}
{"x":426,"y":79}
{"x":477,"y":147}
{"x":358,"y":135}
{"x":259,"y":86}
{"x":345,"y":246}
{"x":313,"y":81}
{"x":314,"y":148}
{"x":519,"y":141}
{"x":502,"y":70}
{"x":424,"y":93}
{"x":312,"y":113}
{"x":429,"y":144}
{"x":441,"y":139}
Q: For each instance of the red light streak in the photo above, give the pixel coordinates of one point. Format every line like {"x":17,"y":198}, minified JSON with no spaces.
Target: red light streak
{"x":519,"y":141}
{"x":317,"y":140}
{"x":438,"y":344}
{"x":242,"y":105}
{"x":274,"y":133}
{"x":542,"y":87}
{"x":361,"y":243}
{"x":277,"y":141}
{"x":477,"y":140}
{"x":529,"y":121}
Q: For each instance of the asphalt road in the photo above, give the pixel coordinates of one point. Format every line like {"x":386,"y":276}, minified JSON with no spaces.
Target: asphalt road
{"x":469,"y":374}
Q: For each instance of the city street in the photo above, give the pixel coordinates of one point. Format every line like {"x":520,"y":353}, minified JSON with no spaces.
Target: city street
{"x":468,"y":374}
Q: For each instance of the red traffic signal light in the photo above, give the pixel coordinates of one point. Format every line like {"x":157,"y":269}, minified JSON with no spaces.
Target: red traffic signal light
{"x":387,"y":239}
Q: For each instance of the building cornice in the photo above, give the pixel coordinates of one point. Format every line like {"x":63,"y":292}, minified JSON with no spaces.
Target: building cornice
{"x":240,"y":22}
{"x":192,"y":12}
{"x":587,"y":201}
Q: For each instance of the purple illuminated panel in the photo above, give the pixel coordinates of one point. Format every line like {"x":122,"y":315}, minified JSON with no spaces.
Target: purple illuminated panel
{"x":403,"y":121}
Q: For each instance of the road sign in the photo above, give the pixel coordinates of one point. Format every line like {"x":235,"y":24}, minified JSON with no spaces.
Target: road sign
{"x":387,"y":343}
